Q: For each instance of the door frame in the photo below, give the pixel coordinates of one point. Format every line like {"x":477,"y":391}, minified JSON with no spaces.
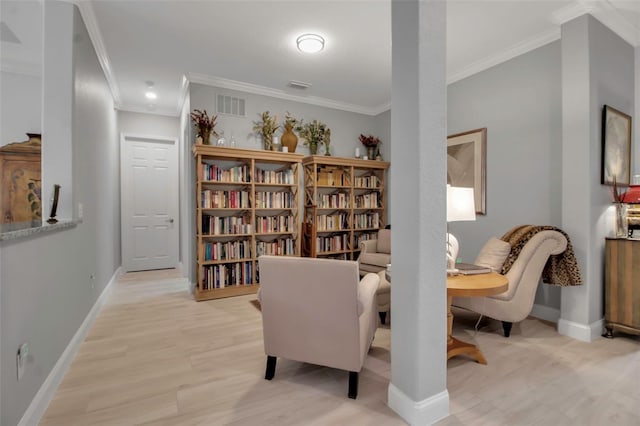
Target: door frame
{"x":124,"y":138}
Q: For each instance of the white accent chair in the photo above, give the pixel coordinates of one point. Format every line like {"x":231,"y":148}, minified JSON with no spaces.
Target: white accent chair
{"x":374,"y":257}
{"x":516,"y":303}
{"x":317,"y":311}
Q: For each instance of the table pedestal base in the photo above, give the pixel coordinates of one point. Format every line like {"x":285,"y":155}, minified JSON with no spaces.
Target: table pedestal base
{"x":457,"y":347}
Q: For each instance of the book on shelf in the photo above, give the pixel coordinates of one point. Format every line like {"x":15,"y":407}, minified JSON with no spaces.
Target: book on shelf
{"x":471,"y":269}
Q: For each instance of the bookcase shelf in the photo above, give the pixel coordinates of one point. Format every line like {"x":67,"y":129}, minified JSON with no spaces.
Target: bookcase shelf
{"x":258,"y":183}
{"x":347,"y":193}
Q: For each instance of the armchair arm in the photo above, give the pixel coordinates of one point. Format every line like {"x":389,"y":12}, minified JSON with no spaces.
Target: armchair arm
{"x":367,"y":291}
{"x":368,"y":246}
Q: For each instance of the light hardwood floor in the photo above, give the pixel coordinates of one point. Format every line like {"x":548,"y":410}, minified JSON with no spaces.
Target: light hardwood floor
{"x":154,"y":356}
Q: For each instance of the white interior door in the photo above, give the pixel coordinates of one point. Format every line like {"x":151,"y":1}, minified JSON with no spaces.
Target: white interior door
{"x":149,"y":202}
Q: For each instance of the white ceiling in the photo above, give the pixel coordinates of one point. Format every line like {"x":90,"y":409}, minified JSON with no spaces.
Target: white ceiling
{"x":251,"y":44}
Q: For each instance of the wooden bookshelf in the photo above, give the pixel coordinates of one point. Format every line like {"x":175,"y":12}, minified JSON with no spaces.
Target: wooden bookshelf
{"x":247,"y":204}
{"x":344,"y":202}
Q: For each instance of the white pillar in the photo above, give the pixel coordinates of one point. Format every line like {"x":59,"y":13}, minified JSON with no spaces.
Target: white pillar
{"x":417,"y":391}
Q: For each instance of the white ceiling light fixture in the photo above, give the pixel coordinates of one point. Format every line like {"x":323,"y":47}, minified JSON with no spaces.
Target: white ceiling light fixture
{"x":150,"y":93}
{"x":310,"y":43}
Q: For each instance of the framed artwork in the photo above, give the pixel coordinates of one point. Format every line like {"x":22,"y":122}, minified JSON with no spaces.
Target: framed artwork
{"x":467,"y":164}
{"x":616,"y":147}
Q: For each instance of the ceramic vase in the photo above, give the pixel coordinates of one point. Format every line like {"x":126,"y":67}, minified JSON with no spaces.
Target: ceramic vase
{"x":289,"y":139}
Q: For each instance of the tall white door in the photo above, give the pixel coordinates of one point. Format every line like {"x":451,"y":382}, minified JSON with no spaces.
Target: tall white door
{"x":149,"y":202}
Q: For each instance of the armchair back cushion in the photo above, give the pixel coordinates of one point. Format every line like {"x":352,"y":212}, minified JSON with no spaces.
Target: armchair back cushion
{"x":317,"y":310}
{"x":384,"y":241}
{"x":493,"y":254}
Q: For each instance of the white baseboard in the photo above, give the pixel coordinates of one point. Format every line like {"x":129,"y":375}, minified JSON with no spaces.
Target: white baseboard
{"x":40,"y":402}
{"x":582,"y":332}
{"x":425,"y":412}
{"x":545,"y":313}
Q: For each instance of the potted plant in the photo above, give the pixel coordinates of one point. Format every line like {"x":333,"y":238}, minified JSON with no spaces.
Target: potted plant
{"x":371,"y":143}
{"x":205,"y":124}
{"x":314,"y":133}
{"x":289,"y":139}
{"x":266,"y":127}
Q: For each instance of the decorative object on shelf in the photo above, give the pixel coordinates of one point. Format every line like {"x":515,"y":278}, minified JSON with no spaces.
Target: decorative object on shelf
{"x":327,"y":143}
{"x":357,"y":154}
{"x":275,"y":144}
{"x":54,"y":204}
{"x":466,"y":164}
{"x":266,"y":128}
{"x":313,"y":133}
{"x":232,"y":142}
{"x":205,"y":124}
{"x":289,"y":139}
{"x":616,"y":147}
{"x":622,"y":228}
{"x":371,"y":143}
{"x":221,"y":140}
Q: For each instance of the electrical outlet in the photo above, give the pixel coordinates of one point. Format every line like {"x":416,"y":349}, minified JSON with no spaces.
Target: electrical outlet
{"x":21,"y":359}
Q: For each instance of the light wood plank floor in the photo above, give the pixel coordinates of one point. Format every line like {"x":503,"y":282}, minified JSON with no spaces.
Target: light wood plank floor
{"x":156,"y":357}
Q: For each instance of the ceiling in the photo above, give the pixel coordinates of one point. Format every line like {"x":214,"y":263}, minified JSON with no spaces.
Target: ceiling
{"x":250,"y":45}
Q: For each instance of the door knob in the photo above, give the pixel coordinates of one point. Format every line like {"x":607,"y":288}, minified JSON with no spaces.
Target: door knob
{"x":170,"y":220}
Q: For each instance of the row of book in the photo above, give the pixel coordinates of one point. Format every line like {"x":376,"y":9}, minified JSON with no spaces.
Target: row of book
{"x":332,"y":222}
{"x":338,"y":200}
{"x":366,"y":220}
{"x":216,"y":225}
{"x":367,"y":181}
{"x":231,"y":250}
{"x":224,"y":199}
{"x":221,"y":276}
{"x":332,"y":243}
{"x":368,"y":201}
{"x":281,"y":177}
{"x":275,"y":224}
{"x":281,"y":246}
{"x":214,"y":173}
{"x":366,"y":236}
{"x":332,"y":177}
{"x":274,"y":200}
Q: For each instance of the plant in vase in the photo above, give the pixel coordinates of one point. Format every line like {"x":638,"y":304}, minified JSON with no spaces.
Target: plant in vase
{"x":314,"y":134}
{"x":371,"y":143}
{"x":205,"y":124}
{"x":266,"y":127}
{"x":289,"y":139}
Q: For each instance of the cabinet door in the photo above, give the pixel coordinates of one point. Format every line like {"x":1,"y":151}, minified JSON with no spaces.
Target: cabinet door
{"x":622,"y":283}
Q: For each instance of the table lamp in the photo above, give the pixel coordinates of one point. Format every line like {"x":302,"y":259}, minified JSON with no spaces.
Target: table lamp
{"x":461,"y":206}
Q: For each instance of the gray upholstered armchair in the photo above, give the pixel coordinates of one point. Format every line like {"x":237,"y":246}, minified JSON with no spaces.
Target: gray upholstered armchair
{"x":317,"y":311}
{"x":375,"y":255}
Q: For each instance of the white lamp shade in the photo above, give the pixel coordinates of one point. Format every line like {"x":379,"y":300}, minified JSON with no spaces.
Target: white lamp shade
{"x":460,"y":204}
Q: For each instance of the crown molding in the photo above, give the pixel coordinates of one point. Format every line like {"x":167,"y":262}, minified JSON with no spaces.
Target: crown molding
{"x":143,"y":110}
{"x":605,"y":12}
{"x":30,"y":69}
{"x":90,"y":21}
{"x":276,"y":93}
{"x":510,"y":53}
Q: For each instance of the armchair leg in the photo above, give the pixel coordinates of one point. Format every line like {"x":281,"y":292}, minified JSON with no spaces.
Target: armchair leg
{"x":271,"y":367}
{"x":506,"y":327}
{"x":353,"y":384}
{"x":383,"y":317}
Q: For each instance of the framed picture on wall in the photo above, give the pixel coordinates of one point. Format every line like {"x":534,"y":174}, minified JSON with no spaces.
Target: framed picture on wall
{"x":467,"y":164}
{"x":616,"y":147}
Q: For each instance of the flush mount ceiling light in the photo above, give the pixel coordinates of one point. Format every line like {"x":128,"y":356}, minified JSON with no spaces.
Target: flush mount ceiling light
{"x":150,"y":93}
{"x":310,"y":43}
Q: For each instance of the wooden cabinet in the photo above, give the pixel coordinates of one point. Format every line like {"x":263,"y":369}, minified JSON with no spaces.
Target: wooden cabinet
{"x":344,"y":203}
{"x":247,"y":205}
{"x":622,"y":286}
{"x":20,"y":171}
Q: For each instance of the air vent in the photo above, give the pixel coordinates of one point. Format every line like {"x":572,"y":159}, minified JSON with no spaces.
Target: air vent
{"x":299,"y":84}
{"x":230,"y":105}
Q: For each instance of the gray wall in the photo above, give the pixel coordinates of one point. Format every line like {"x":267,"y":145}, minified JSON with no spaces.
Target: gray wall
{"x":46,"y":288}
{"x":148,"y":124}
{"x":21,"y":94}
{"x":345,"y":126}
{"x":519,"y":102}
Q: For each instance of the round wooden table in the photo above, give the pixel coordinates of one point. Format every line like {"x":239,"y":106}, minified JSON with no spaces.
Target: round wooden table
{"x":470,"y":286}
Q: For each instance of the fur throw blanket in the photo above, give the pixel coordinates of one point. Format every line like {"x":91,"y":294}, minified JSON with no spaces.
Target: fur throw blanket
{"x":561,"y":269}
